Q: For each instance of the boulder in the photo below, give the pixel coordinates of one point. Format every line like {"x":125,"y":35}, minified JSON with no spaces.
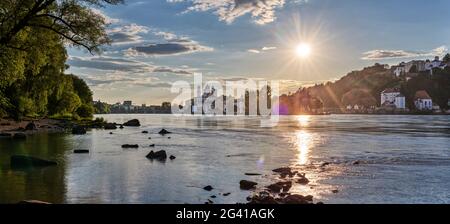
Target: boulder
{"x":247,"y":185}
{"x":132,"y":123}
{"x":110,"y":126}
{"x":20,"y":136}
{"x":159,"y":155}
{"x":81,"y":151}
{"x":28,"y":161}
{"x":172,"y":157}
{"x":78,"y":130}
{"x":30,"y":127}
{"x":129,"y":146}
{"x":164,"y":132}
{"x":144,"y":132}
{"x":208,"y":188}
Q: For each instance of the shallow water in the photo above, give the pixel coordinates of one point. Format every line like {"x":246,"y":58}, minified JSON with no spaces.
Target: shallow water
{"x":403,"y":159}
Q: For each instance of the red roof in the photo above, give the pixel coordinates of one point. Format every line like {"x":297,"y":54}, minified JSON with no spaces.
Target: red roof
{"x":422,"y":94}
{"x":390,"y":90}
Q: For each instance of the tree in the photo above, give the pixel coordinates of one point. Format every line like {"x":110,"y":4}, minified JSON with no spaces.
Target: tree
{"x":446,"y":58}
{"x":72,"y":20}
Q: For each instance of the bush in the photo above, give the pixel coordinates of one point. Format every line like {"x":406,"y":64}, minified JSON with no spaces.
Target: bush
{"x":85,"y":111}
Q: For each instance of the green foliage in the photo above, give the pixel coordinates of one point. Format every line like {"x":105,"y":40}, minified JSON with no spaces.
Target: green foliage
{"x":33,"y":35}
{"x":85,"y":111}
{"x":446,"y":58}
{"x":102,"y":108}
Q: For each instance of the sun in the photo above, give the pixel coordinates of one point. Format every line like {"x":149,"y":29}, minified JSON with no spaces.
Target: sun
{"x":303,"y":50}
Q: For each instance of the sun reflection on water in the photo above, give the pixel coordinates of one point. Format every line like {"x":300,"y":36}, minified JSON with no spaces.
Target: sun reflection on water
{"x":304,"y":143}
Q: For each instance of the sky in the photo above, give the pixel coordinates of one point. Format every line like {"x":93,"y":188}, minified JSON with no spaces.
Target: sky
{"x":158,"y":42}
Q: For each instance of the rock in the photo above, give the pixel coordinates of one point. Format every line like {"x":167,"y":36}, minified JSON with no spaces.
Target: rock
{"x":283,"y":170}
{"x":303,"y":180}
{"x":28,"y":161}
{"x":247,"y":185}
{"x":208,"y":188}
{"x":121,"y":126}
{"x":129,"y":146}
{"x":309,"y":198}
{"x":164,"y":132}
{"x":263,"y":200}
{"x":172,"y":157}
{"x":20,"y":136}
{"x":5,"y":135}
{"x":149,"y":137}
{"x":78,"y":130}
{"x":226,"y":194}
{"x":30,"y":127}
{"x":357,"y":162}
{"x":110,"y":126}
{"x":132,"y":123}
{"x":210,"y":202}
{"x":277,"y":187}
{"x":213,"y":196}
{"x":33,"y":202}
{"x":81,"y":151}
{"x":324,"y":164}
{"x":159,"y":155}
{"x":319,"y":203}
{"x":335,"y":191}
{"x":169,"y":137}
{"x":111,"y":133}
{"x":253,"y":174}
{"x":144,"y":132}
{"x":296,"y":199}
{"x":152,"y":145}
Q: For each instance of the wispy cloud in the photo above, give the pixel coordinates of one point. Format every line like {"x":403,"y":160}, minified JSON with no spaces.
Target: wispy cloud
{"x":396,"y":54}
{"x":257,"y":51}
{"x":261,"y":11}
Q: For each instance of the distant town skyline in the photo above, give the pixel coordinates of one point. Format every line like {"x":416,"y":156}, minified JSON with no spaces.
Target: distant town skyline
{"x":299,"y":42}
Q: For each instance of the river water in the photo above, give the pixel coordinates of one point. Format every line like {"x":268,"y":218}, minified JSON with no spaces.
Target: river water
{"x":401,"y":159}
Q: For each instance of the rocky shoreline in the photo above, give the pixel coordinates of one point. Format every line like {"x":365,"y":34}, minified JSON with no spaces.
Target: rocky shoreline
{"x":275,"y":193}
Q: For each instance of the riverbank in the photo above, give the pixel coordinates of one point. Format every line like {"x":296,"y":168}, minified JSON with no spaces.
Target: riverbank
{"x":33,"y":126}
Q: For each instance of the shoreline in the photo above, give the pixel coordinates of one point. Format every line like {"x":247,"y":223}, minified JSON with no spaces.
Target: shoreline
{"x":34,"y":126}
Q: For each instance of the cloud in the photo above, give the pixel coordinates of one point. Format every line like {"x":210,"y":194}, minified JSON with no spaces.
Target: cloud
{"x":174,"y":45}
{"x":122,"y":65}
{"x":128,"y":34}
{"x":396,"y":54}
{"x":257,"y":51}
{"x":261,"y":11}
{"x":107,"y":19}
{"x":254,"y":51}
{"x":110,"y":64}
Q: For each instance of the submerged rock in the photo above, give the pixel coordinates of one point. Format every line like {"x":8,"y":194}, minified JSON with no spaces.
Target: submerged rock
{"x":28,"y":161}
{"x":284,"y":172}
{"x":172,"y":157}
{"x":335,"y":191}
{"x":152,"y":145}
{"x":144,"y":132}
{"x":121,"y":126}
{"x":253,"y":174}
{"x":297,"y":199}
{"x":357,"y":162}
{"x":128,"y":146}
{"x":110,"y":126}
{"x":20,"y":136}
{"x":164,"y":132}
{"x":159,"y":155}
{"x":226,"y":194}
{"x":78,"y":130}
{"x":208,"y":188}
{"x":247,"y":185}
{"x":132,"y":123}
{"x":81,"y":151}
{"x":30,"y":127}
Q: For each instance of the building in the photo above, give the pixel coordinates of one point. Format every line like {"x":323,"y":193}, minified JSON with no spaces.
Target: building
{"x":400,"y":101}
{"x":393,"y":97}
{"x":436,"y":63}
{"x":423,"y":101}
{"x":399,"y":69}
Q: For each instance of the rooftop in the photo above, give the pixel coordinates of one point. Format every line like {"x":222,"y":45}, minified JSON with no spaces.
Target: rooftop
{"x":422,"y":94}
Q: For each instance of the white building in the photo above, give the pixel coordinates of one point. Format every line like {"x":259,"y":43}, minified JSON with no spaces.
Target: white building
{"x":400,"y":101}
{"x":393,"y":97}
{"x":436,"y":63}
{"x":399,"y":70}
{"x":423,"y":101}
